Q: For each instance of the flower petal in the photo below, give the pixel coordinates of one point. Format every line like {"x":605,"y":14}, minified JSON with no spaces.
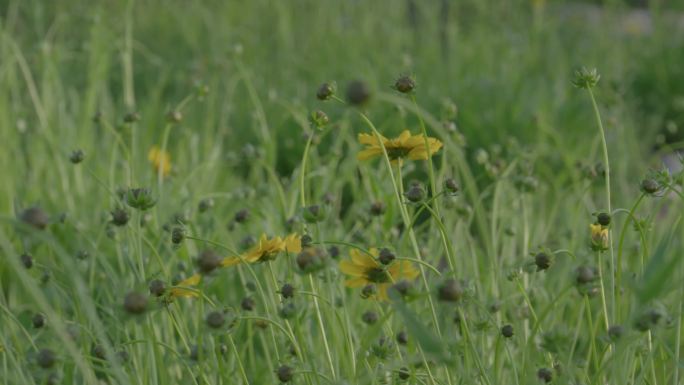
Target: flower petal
{"x":355,"y":282}
{"x":293,"y":243}
{"x":369,"y":153}
{"x":349,"y":268}
{"x":362,"y":259}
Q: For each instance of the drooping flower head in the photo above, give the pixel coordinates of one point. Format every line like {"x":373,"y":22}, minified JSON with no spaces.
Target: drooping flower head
{"x":182,"y":289}
{"x":267,"y":249}
{"x":365,"y":269}
{"x":599,"y":237}
{"x":160,"y":160}
{"x":405,"y":146}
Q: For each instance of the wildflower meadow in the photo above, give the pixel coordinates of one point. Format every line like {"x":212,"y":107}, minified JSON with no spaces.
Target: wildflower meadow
{"x":340,"y":192}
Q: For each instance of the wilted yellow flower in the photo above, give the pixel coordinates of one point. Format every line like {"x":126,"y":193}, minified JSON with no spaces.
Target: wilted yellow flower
{"x":160,"y":159}
{"x":366,"y":269}
{"x":267,"y":249}
{"x":181,"y":289}
{"x":599,"y":237}
{"x":404,"y":146}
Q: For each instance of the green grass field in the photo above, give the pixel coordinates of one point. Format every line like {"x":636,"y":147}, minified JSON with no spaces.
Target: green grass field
{"x":223,"y":192}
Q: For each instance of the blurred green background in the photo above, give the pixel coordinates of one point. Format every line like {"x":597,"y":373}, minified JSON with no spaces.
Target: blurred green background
{"x":505,"y":65}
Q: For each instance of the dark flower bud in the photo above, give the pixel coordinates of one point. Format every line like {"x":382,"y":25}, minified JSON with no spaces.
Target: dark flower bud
{"x":415,"y":193}
{"x":369,"y":317}
{"x":507,"y":331}
{"x":404,"y":373}
{"x":82,"y":255}
{"x":157,"y":287}
{"x":615,"y":332}
{"x":135,"y":303}
{"x":585,"y":78}
{"x":251,"y":286}
{"x":98,"y":351}
{"x":319,"y":119}
{"x":650,"y":186}
{"x":38,"y":320}
{"x":368,"y":291}
{"x":603,"y":219}
{"x":402,"y":338}
{"x":215,"y":319}
{"x":208,"y":261}
{"x":545,"y":374}
{"x":45,"y":277}
{"x":311,"y":259}
{"x":377,"y":208}
{"x":247,"y":304}
{"x":77,"y":156}
{"x":313,"y":213}
{"x":205,"y":204}
{"x":174,"y":116}
{"x":358,"y":93}
{"x":287,"y":291}
{"x":132,"y":117}
{"x":285,"y":373}
{"x":402,"y":287}
{"x":586,"y":274}
{"x":140,"y":198}
{"x":36,"y":217}
{"x":386,"y":256}
{"x":177,"y":235}
{"x":120,"y":216}
{"x":306,"y":240}
{"x":450,"y":291}
{"x":242,"y":216}
{"x":288,"y":310}
{"x":648,"y":319}
{"x":334,"y":252}
{"x":26,"y":260}
{"x":46,"y":358}
{"x":451,"y":186}
{"x":405,"y":84}
{"x":325,"y":91}
{"x":543,"y":261}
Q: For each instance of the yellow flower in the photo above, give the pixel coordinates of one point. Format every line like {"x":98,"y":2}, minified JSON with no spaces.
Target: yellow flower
{"x":599,"y":237}
{"x":181,"y":289}
{"x":404,"y":146}
{"x":267,"y":249}
{"x":365,"y":269}
{"x":160,"y":159}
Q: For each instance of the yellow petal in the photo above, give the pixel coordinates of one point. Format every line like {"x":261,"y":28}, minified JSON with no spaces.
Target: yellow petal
{"x":382,"y":292}
{"x":369,"y":139}
{"x":188,"y":282}
{"x":355,"y":282}
{"x":369,"y":153}
{"x":350,"y":268}
{"x":403,"y":137}
{"x":230,"y":261}
{"x":293,"y":243}
{"x":362,"y":259}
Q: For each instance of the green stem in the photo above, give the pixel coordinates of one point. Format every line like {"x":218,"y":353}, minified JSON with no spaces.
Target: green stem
{"x":320,"y":324}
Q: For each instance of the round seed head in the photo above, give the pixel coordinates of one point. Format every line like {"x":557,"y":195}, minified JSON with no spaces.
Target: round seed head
{"x":288,"y":310}
{"x":405,"y":84}
{"x":377,"y":208}
{"x":287,"y":291}
{"x":369,"y":317}
{"x":35,"y":217}
{"x":586,"y":274}
{"x":368,"y":291}
{"x":205,"y":204}
{"x":650,"y":186}
{"x":174,"y":116}
{"x":157,"y":287}
{"x":120,"y":216}
{"x":46,"y":358}
{"x":545,"y":374}
{"x":177,"y":235}
{"x":38,"y":320}
{"x":415,"y":193}
{"x":216,"y":319}
{"x":132,"y":117}
{"x":26,"y":260}
{"x":450,"y":291}
{"x":358,"y":93}
{"x":325,"y":91}
{"x":208,"y":261}
{"x":451,"y":186}
{"x":402,"y":338}
{"x":615,"y":332}
{"x":77,"y":156}
{"x":247,"y":304}
{"x":285,"y":373}
{"x":507,"y":331}
{"x":603,"y":219}
{"x":543,"y":261}
{"x":404,"y":373}
{"x":386,"y":256}
{"x":135,"y":303}
{"x":242,"y":216}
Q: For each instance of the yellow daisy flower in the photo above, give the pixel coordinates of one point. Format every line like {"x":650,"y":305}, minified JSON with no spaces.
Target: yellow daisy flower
{"x":160,"y":159}
{"x":267,"y":249}
{"x":365,"y":269}
{"x":599,"y":237}
{"x":181,"y":289}
{"x":404,"y":146}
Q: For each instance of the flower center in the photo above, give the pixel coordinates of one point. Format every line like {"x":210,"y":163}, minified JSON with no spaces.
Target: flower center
{"x":377,"y":275}
{"x":397,"y":152}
